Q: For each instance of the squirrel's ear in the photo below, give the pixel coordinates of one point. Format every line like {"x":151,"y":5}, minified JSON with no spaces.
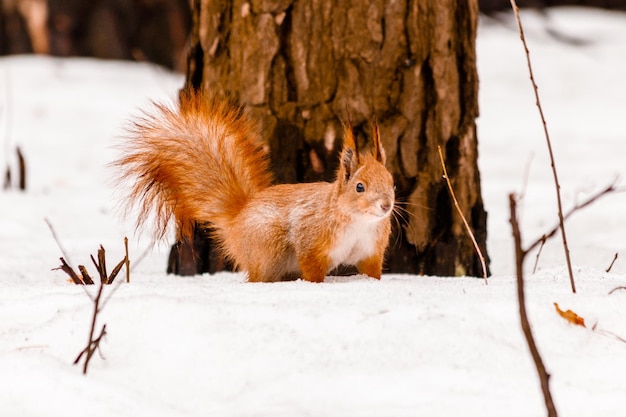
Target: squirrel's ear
{"x":349,"y":154}
{"x":379,"y":151}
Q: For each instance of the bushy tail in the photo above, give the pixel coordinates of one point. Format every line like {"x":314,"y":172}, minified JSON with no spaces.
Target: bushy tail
{"x":199,"y":162}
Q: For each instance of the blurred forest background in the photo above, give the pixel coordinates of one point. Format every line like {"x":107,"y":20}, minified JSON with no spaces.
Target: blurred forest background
{"x":141,"y":30}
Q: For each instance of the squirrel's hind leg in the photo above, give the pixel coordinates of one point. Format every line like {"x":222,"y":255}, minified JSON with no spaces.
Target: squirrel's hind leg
{"x":256,"y":275}
{"x":269,"y":272}
{"x":313,"y":267}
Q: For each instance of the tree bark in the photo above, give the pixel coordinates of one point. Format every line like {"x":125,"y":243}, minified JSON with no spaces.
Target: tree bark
{"x":302,"y":65}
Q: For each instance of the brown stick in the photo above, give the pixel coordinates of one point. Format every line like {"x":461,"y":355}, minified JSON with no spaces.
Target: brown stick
{"x":612,"y":262}
{"x":56,"y":239}
{"x":458,"y":209}
{"x":92,"y":344}
{"x":115,"y":271}
{"x":608,"y":189}
{"x":549,"y":144}
{"x":22,"y":169}
{"x":127,"y":260}
{"x":616,"y":289}
{"x":86,"y":277}
{"x":520,"y":255}
{"x":7,"y":178}
{"x":102,"y":263}
{"x":69,"y":271}
{"x":543,"y":242}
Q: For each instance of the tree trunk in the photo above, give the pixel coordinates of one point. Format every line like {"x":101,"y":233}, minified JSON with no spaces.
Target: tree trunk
{"x":302,"y":65}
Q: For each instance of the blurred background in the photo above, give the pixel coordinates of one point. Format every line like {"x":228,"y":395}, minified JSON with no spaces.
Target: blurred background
{"x":142,"y":30}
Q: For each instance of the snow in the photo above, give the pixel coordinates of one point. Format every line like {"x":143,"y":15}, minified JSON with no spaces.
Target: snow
{"x":405,"y":346}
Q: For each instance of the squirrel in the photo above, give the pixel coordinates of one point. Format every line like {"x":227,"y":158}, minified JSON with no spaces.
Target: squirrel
{"x":203,"y":161}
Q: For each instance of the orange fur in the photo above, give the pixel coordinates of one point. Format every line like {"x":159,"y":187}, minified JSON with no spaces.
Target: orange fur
{"x":204,"y":162}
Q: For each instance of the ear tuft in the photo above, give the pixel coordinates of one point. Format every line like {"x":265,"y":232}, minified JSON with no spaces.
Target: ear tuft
{"x":379,"y":151}
{"x":349,"y":153}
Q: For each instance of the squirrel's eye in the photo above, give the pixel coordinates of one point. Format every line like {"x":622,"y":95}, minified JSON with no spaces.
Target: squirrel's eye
{"x":360,"y":188}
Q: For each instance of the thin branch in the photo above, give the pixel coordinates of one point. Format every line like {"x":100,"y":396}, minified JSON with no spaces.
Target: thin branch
{"x":549,"y":144}
{"x":608,"y":189}
{"x":115,"y":271}
{"x":127,"y":260}
{"x":609,"y":334}
{"x":86,"y":277}
{"x":93,"y":344}
{"x":69,"y":271}
{"x":117,"y":285}
{"x":543,"y":242}
{"x":616,"y":289}
{"x":612,"y":262}
{"x":458,"y":209}
{"x":7,"y":178}
{"x":56,"y":239}
{"x":89,"y":351}
{"x":21,"y":163}
{"x":103,"y":264}
{"x":520,"y":254}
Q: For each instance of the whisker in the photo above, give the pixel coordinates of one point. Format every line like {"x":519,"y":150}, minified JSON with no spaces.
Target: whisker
{"x":398,"y":224}
{"x":406,"y":215}
{"x":412,"y":204}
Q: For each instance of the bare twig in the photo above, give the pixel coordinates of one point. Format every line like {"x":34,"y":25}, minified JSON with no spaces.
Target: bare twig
{"x":127,"y":259}
{"x":113,"y":291}
{"x":21,"y":178}
{"x":22,"y":169}
{"x":69,"y":271}
{"x":549,"y":144}
{"x":115,"y":271}
{"x":520,"y":254}
{"x":608,"y":189}
{"x":103,"y":264}
{"x":100,"y":265}
{"x":616,"y":289}
{"x":92,"y":344}
{"x":56,"y":239}
{"x":608,"y":334}
{"x":85,"y":275}
{"x":612,"y":262}
{"x":142,"y":256}
{"x":543,"y":242}
{"x":7,"y":178}
{"x":458,"y":209}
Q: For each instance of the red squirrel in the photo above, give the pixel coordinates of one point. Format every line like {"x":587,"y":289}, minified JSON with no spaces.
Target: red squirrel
{"x":204,"y":162}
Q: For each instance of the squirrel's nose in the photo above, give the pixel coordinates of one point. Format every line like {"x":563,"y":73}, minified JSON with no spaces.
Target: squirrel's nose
{"x":385,"y":205}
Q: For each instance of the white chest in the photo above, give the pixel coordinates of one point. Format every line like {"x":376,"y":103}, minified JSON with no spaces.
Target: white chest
{"x":357,"y":243}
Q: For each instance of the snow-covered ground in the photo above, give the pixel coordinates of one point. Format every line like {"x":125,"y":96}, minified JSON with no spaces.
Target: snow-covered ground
{"x":404,"y":346}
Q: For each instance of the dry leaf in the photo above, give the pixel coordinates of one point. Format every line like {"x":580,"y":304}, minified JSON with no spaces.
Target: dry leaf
{"x":570,"y":316}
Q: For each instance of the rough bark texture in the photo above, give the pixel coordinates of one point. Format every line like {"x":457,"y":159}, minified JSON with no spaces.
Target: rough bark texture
{"x":301,"y":65}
